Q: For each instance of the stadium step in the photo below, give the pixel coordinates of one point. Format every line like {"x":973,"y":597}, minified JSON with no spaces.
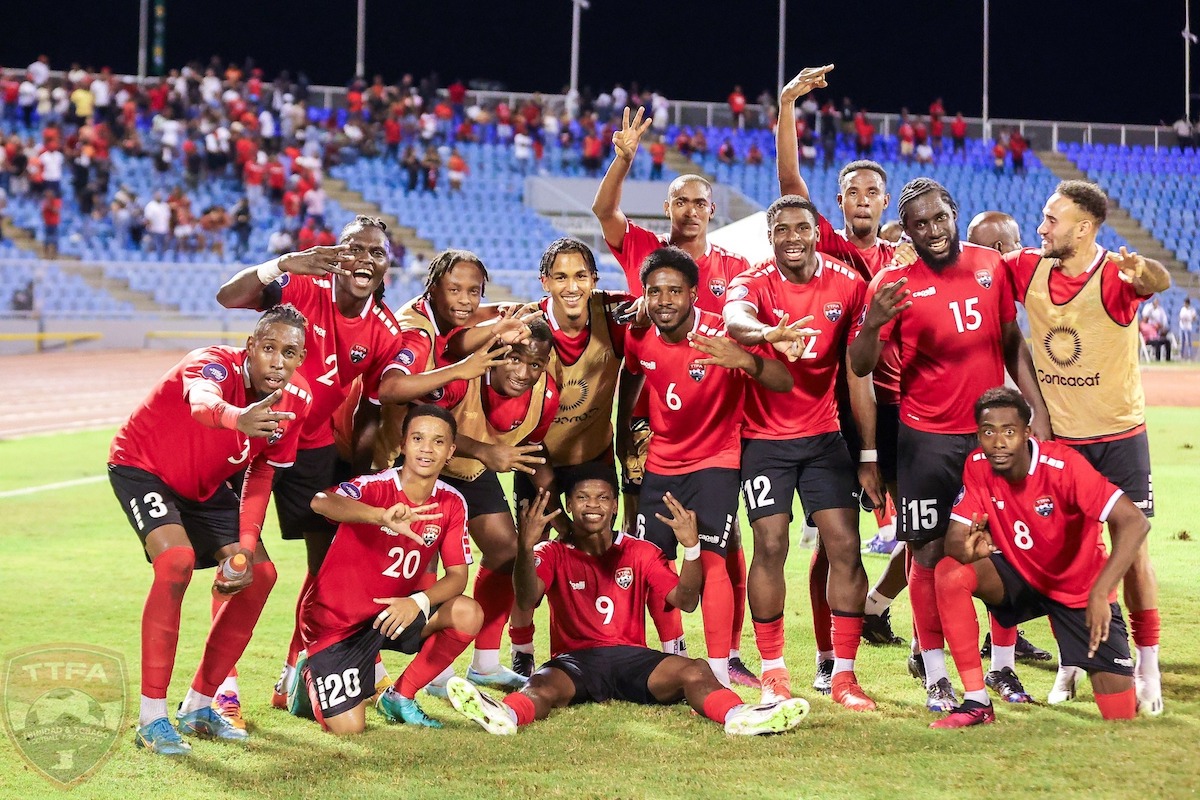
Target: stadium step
{"x":26,"y":239}
{"x":118,"y":289}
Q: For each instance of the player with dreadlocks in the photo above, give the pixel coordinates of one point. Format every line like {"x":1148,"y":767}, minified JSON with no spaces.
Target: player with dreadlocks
{"x":953,"y":317}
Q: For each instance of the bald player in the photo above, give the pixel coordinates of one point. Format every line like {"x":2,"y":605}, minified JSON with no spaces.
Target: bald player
{"x":996,"y":230}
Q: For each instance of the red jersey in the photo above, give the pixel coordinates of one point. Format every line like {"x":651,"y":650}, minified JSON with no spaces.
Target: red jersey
{"x":253,"y":173}
{"x":276,"y":178}
{"x":833,"y":297}
{"x":504,"y":413}
{"x":1120,"y":299}
{"x":418,"y":352}
{"x":1047,"y":525}
{"x":695,"y":409}
{"x":718,"y":267}
{"x":365,"y":561}
{"x":950,"y":339}
{"x":339,"y":348}
{"x":162,"y":438}
{"x":600,"y":601}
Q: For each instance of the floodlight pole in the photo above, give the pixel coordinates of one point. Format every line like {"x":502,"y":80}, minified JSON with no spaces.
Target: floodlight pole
{"x":360,"y":51}
{"x":1188,"y":39}
{"x":577,"y":8}
{"x":986,"y":52}
{"x":779,"y":73}
{"x":143,"y":24}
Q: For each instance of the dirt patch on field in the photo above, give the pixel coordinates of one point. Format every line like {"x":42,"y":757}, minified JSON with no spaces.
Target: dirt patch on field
{"x":1172,"y":386}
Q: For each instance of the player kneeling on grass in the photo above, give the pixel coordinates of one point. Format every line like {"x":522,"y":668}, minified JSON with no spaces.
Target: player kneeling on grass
{"x":1024,"y":538}
{"x":365,"y":597}
{"x":218,"y":411}
{"x":599,"y":583}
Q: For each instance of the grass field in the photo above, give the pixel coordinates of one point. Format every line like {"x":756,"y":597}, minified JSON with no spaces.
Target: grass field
{"x":71,"y":571}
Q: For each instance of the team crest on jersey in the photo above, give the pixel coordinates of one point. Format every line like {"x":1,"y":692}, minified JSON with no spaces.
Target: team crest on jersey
{"x":716,"y":286}
{"x":357,"y":353}
{"x":833,"y":311}
{"x":214,"y":372}
{"x":624,"y":577}
{"x":696,"y":371}
{"x":1044,"y":506}
{"x":430,"y":534}
{"x":961,"y":494}
{"x":739,"y":292}
{"x":984,"y":278}
{"x":276,"y":435}
{"x":405,"y":357}
{"x":350,"y":490}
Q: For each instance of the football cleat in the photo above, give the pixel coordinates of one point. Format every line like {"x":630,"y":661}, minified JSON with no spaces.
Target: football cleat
{"x":1149,"y":692}
{"x":880,"y":546}
{"x":739,"y":673}
{"x":435,"y":689}
{"x":161,"y":737}
{"x":299,"y":703}
{"x":916,"y":666}
{"x":1005,"y":683}
{"x":228,"y":706}
{"x":940,"y":697}
{"x":765,"y":718}
{"x":207,"y":722}
{"x":279,"y":695}
{"x":848,"y":693}
{"x":968,"y":714}
{"x":1064,"y":685}
{"x":481,"y":708}
{"x":823,"y":682}
{"x":877,"y":629}
{"x":776,"y":685}
{"x":500,"y":678}
{"x":396,"y":708}
{"x":522,"y":663}
{"x":1026,"y":650}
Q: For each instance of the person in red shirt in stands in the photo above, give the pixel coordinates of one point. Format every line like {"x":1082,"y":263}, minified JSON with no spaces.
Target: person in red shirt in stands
{"x":51,"y":219}
{"x":958,"y":132}
{"x":737,"y":107}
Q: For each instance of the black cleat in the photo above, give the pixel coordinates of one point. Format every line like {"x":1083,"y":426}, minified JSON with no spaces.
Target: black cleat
{"x":1005,"y":683}
{"x":916,"y":667}
{"x":1026,"y":650}
{"x":522,"y":663}
{"x":823,"y":683}
{"x":877,"y":629}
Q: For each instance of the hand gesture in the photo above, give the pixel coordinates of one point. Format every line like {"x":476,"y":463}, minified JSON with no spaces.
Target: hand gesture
{"x":790,"y":338}
{"x":512,"y":458}
{"x":808,"y":79}
{"x":889,"y":301}
{"x":484,"y":359}
{"x":399,"y":614}
{"x":398,"y":520}
{"x":258,"y":420}
{"x":225,"y":586}
{"x":682,"y":522}
{"x":721,"y":351}
{"x":534,"y":519}
{"x":324,"y":260}
{"x":1099,"y":617}
{"x":903,"y":255}
{"x":1131,"y":265}
{"x":871,"y":481}
{"x":627,"y":139}
{"x":979,"y":538}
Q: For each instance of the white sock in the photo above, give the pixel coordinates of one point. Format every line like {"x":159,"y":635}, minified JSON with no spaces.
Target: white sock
{"x":380,"y":673}
{"x":485,"y":661}
{"x":512,"y":712}
{"x":228,"y":686}
{"x":733,"y":711}
{"x":443,"y":676}
{"x":152,"y":708}
{"x":877,"y":603}
{"x":676,"y":647}
{"x":979,"y":696}
{"x":195,"y":701}
{"x":823,"y":655}
{"x":286,"y":678}
{"x":735,"y":653}
{"x":1004,"y":657}
{"x":720,"y":668}
{"x":935,"y":666}
{"x":843,"y":665}
{"x":772,"y":663}
{"x":1147,"y":661}
{"x":523,"y":648}
{"x":887,"y":531}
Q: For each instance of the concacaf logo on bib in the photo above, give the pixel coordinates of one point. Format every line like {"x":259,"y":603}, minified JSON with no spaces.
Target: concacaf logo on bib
{"x":624,"y":577}
{"x":1044,"y":506}
{"x":984,"y":278}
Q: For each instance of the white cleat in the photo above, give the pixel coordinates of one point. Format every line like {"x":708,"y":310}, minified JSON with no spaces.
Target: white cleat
{"x":1149,"y":693}
{"x":757,"y":720}
{"x":1064,"y":685}
{"x":480,"y":708}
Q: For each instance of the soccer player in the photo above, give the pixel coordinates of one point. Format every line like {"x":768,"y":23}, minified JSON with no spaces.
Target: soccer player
{"x":1082,"y":302}
{"x":996,"y":230}
{"x":792,"y":443}
{"x":1023,"y":537}
{"x":349,"y":335}
{"x":366,"y":597}
{"x":218,"y":411}
{"x":695,"y":377}
{"x":952,"y":315}
{"x":599,"y":582}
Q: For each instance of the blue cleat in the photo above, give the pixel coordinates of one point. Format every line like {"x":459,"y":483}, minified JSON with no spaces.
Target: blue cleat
{"x":396,"y":708}
{"x":500,"y":678}
{"x":207,"y":722}
{"x":161,"y":737}
{"x":1005,"y":683}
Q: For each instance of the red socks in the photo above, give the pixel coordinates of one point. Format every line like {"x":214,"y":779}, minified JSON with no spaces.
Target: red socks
{"x":1122,"y":705}
{"x":735,"y":562}
{"x":1001,"y":636}
{"x":845,"y":633}
{"x":818,"y":581}
{"x":232,"y":629}
{"x":1144,"y":626}
{"x":494,"y":593}
{"x":768,"y":635}
{"x":668,"y":622}
{"x":160,"y":618}
{"x":716,"y":600}
{"x":520,"y":635}
{"x":523,"y":706}
{"x":956,"y":585}
{"x":297,"y":642}
{"x":438,"y":652}
{"x":718,"y":705}
{"x":923,"y":594}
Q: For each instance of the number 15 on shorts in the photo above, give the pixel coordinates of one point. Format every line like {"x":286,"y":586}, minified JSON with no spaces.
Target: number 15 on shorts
{"x":921,"y":515}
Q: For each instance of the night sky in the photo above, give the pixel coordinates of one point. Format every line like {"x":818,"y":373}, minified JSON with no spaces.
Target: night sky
{"x":1051,"y":59}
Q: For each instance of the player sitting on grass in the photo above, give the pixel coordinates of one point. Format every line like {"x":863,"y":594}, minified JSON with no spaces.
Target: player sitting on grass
{"x":392,"y":525}
{"x":1025,"y":531}
{"x":599,"y":583}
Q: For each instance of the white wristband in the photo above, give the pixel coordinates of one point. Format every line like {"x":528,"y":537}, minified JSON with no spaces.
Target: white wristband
{"x":422,"y":603}
{"x":868,"y":456}
{"x":269,"y":271}
{"x":691,"y":553}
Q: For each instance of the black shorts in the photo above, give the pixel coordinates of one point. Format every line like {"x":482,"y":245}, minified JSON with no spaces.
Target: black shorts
{"x":931,"y":475}
{"x":817,"y":467}
{"x":711,"y":493}
{"x":1022,"y":602}
{"x":563,"y":477}
{"x":484,"y":495}
{"x":611,"y":673}
{"x":149,"y":504}
{"x":634,"y":468}
{"x":342,"y":675}
{"x":295,"y":487}
{"x":1125,"y":463}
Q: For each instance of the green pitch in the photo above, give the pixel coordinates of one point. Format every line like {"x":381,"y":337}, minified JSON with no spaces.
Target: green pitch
{"x":71,"y":571}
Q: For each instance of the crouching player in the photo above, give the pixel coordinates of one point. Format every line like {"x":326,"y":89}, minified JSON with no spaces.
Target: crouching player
{"x":365,"y":597}
{"x":1026,"y":529}
{"x":599,"y":583}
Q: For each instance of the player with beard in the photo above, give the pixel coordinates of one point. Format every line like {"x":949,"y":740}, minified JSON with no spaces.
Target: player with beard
{"x":1082,"y":302}
{"x":1024,"y":538}
{"x":792,"y":443}
{"x":952,"y":315}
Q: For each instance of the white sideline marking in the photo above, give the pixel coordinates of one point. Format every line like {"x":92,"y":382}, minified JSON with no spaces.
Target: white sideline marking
{"x":46,"y":487}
